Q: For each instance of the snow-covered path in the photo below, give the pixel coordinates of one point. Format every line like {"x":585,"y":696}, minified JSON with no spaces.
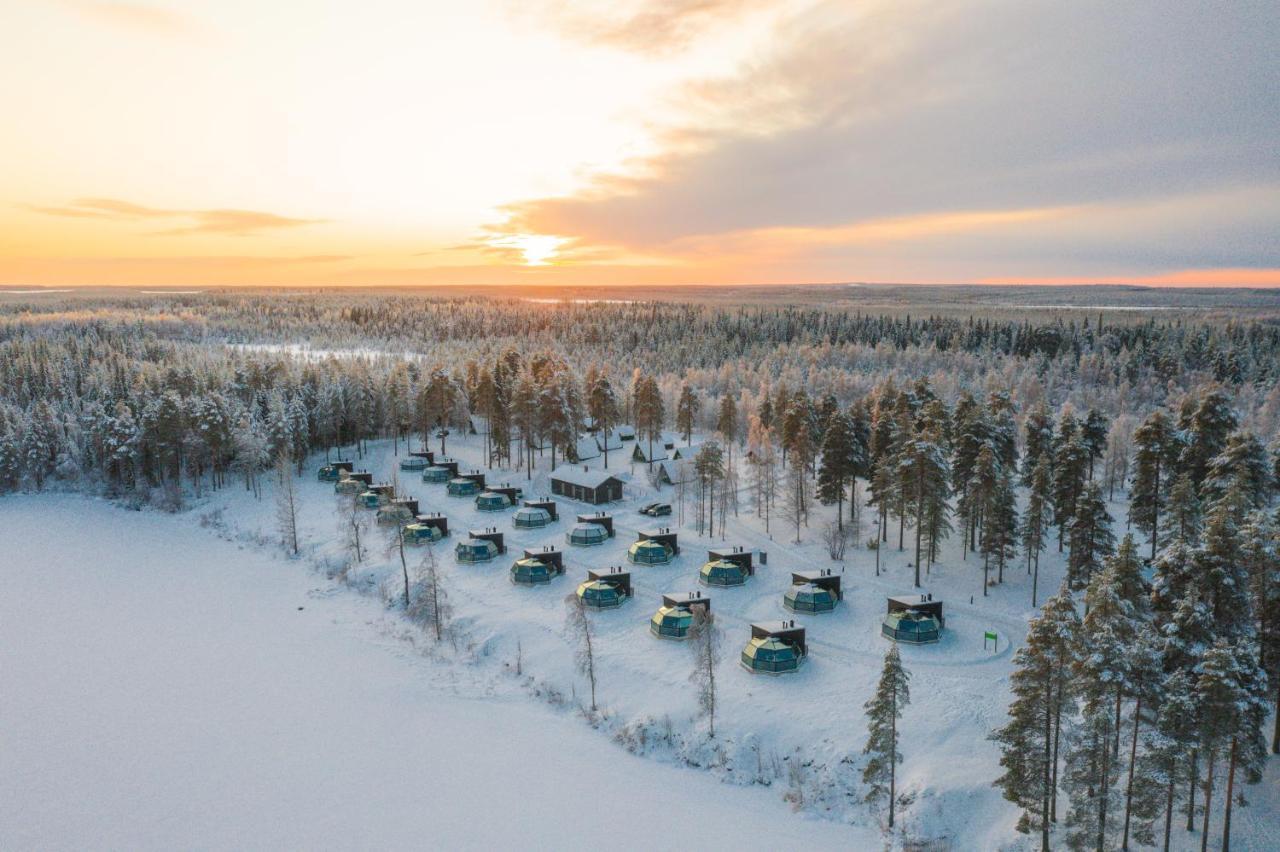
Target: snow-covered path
{"x":163,"y":688}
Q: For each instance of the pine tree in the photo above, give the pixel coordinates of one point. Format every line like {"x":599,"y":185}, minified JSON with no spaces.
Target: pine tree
{"x":1260,"y":553}
{"x":1241,"y":469}
{"x":1207,"y":429}
{"x":884,"y":709}
{"x":1181,"y":520}
{"x":1153,"y":443}
{"x":1035,"y":521}
{"x":1041,"y":689}
{"x":1094,"y":435}
{"x":602,"y":406}
{"x":1070,"y":466}
{"x":1108,"y":632}
{"x":1166,"y":760}
{"x":981,"y":496}
{"x":837,"y":467}
{"x":1091,"y":537}
{"x":687,"y":409}
{"x":1037,"y":441}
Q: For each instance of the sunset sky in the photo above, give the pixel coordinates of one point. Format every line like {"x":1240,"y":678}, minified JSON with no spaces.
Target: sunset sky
{"x":638,"y":142}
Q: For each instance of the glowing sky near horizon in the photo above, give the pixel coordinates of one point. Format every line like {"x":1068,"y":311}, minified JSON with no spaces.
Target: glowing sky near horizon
{"x":638,"y":142}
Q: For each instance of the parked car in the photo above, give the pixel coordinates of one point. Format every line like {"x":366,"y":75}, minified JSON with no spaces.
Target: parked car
{"x":656,"y":510}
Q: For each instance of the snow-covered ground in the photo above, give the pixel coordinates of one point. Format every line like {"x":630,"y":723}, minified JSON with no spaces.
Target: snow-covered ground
{"x":165,"y":689}
{"x":787,"y":744}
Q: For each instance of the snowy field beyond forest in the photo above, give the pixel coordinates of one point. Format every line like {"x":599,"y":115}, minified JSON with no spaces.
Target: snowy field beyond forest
{"x":171,"y":691}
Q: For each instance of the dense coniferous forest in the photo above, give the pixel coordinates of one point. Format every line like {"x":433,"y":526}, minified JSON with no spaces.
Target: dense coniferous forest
{"x":1142,"y":448}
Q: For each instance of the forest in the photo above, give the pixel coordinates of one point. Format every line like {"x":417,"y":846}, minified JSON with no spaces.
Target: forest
{"x":1144,"y":449}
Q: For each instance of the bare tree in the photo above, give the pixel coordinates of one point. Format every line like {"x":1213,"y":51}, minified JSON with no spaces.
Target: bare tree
{"x":583,"y":633}
{"x":286,"y":504}
{"x":395,"y":545}
{"x":836,"y":539}
{"x":352,"y":524}
{"x":794,"y":498}
{"x":432,"y":605}
{"x":704,"y":636}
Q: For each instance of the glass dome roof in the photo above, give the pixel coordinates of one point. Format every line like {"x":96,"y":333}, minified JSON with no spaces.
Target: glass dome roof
{"x":671,"y":622}
{"x":587,"y":534}
{"x":460,"y":487}
{"x":492,"y":501}
{"x":532,"y":516}
{"x":598,"y":594}
{"x":414,"y":533}
{"x":722,"y":572}
{"x":649,"y":552}
{"x":435,"y":473}
{"x":531,"y":572}
{"x":910,"y":626}
{"x":770,"y":655}
{"x":476,"y":550}
{"x":806,"y":597}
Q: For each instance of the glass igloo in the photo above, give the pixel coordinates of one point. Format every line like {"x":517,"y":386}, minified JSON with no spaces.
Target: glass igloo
{"x":807,"y":597}
{"x":413,"y":463}
{"x":911,"y":626}
{"x":436,"y":474}
{"x":531,"y":517}
{"x":475,"y":550}
{"x":532,"y":572}
{"x":463,"y":487}
{"x":587,"y":535}
{"x":598,"y":594}
{"x":422,"y":533}
{"x":649,"y":552}
{"x":722,"y":572}
{"x":492,"y":501}
{"x":671,"y":622}
{"x":772,"y":656}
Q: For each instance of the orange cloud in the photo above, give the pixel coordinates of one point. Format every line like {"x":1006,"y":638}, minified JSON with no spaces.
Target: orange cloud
{"x":647,"y":26}
{"x":220,"y":221}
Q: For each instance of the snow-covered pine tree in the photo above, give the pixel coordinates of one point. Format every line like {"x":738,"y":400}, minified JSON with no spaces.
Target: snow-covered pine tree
{"x":1091,"y":537}
{"x":1035,"y":520}
{"x":884,"y":709}
{"x":1102,"y":674}
{"x":837,"y":466}
{"x":1153,"y":442}
{"x":1041,"y":685}
{"x":687,"y":409}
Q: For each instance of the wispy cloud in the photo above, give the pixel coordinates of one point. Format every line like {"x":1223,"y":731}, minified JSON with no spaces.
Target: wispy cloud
{"x":641,"y":26}
{"x":143,"y":18}
{"x":229,"y":222}
{"x":861,"y":124}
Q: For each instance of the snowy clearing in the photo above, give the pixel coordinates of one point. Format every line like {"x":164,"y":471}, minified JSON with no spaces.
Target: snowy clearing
{"x":164,"y":688}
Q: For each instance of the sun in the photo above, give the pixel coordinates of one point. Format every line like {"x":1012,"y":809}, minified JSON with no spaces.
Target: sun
{"x":537,"y":249}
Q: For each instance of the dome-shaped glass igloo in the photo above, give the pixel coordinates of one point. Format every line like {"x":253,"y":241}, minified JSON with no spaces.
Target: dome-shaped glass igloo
{"x":532,"y":572}
{"x":671,"y":622}
{"x":435,"y":473}
{"x":649,"y":552}
{"x":911,"y":626}
{"x":475,"y":550}
{"x":349,"y":486}
{"x":770,"y":655}
{"x":413,"y":463}
{"x":597,"y":594}
{"x":462,"y":487}
{"x":492,"y":501}
{"x":531,"y":517}
{"x":374,"y":499}
{"x":806,"y":597}
{"x":422,"y":533}
{"x":586,"y":535}
{"x":722,"y":572}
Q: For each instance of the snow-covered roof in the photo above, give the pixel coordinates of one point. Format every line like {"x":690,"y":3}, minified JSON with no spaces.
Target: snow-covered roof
{"x":587,"y":449}
{"x":576,"y":474}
